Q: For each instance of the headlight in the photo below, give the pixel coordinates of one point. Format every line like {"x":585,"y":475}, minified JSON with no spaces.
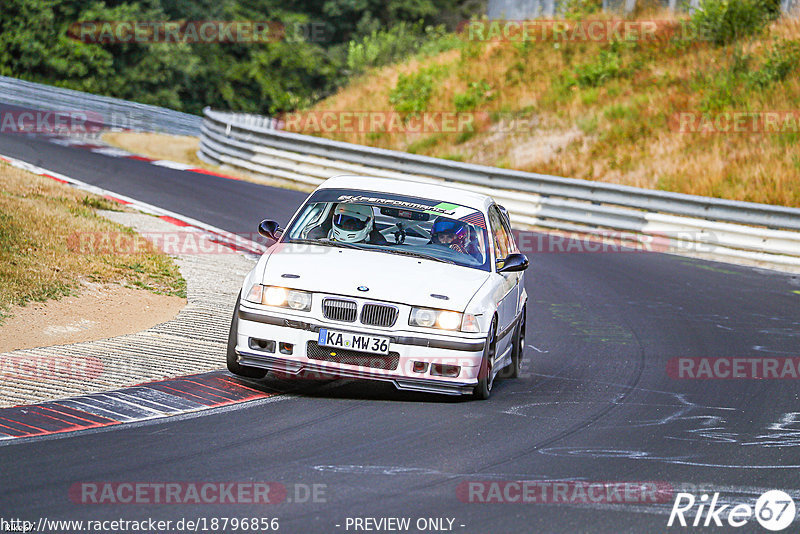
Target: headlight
{"x":280,"y":296}
{"x":274,"y":296}
{"x":299,"y":300}
{"x":423,"y":317}
{"x":449,"y":320}
{"x":430,"y":318}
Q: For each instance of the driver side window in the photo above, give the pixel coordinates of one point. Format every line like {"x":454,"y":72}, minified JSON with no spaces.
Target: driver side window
{"x":503,"y":244}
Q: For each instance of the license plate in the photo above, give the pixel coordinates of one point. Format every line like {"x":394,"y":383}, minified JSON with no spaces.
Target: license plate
{"x":351,"y":341}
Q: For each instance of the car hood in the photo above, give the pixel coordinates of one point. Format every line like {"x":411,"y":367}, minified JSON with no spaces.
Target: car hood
{"x":389,"y":277}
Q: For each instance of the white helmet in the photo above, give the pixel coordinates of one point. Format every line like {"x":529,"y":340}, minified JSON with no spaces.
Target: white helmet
{"x":352,"y":223}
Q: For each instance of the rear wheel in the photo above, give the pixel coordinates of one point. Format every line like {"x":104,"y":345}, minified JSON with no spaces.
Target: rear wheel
{"x":233,"y":365}
{"x":485,"y":375}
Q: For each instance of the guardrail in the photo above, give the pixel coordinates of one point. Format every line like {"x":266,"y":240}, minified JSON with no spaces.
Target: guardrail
{"x":108,"y":112}
{"x":744,"y":230}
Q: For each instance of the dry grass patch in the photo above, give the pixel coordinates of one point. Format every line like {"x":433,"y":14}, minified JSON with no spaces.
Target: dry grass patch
{"x":40,"y":220}
{"x":181,"y":148}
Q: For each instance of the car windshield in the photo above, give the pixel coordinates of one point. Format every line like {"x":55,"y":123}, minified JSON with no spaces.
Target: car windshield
{"x":394,"y":224}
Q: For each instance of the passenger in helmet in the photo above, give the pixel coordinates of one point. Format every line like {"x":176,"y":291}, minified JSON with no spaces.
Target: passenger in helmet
{"x":450,"y":233}
{"x":354,"y":223}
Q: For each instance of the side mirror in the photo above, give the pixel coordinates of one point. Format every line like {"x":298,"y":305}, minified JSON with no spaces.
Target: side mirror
{"x":269,"y":229}
{"x":514,"y":263}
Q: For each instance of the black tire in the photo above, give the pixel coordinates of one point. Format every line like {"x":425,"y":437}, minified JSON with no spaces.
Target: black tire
{"x":485,"y":379}
{"x":513,"y":369}
{"x":233,"y":365}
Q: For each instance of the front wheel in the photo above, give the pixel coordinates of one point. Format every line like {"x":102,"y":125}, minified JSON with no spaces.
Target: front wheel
{"x":233,"y":365}
{"x":486,"y":373}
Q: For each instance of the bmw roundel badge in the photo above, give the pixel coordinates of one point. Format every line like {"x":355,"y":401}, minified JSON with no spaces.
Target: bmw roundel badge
{"x":363,"y":288}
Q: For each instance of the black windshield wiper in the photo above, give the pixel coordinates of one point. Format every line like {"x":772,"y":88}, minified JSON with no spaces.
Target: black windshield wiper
{"x":416,"y":254}
{"x":324,"y":243}
{"x":344,"y":245}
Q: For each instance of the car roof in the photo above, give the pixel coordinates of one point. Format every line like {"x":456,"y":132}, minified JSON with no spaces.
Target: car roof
{"x":410,"y":187}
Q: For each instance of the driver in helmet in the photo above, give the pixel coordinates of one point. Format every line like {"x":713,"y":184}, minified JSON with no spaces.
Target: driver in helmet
{"x":450,"y":233}
{"x":354,"y":223}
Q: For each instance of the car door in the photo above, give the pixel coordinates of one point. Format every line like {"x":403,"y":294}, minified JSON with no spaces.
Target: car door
{"x":506,"y":297}
{"x":519,"y":275}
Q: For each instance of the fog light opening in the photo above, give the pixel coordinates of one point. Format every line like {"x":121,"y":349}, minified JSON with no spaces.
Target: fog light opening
{"x":266,"y":345}
{"x":440,"y":369}
{"x":286,"y":348}
{"x":420,"y":367}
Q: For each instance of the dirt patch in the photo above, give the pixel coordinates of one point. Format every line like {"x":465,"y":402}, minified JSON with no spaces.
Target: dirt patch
{"x":181,"y":148}
{"x":542,"y":148}
{"x":98,"y":312}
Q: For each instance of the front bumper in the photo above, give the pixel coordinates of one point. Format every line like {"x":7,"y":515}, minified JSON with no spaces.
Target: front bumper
{"x":407,"y":348}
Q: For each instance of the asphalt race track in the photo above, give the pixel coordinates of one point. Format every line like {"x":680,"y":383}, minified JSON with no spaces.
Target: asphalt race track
{"x":596,"y":403}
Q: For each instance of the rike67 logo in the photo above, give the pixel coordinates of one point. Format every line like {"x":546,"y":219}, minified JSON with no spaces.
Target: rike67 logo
{"x":774,"y":510}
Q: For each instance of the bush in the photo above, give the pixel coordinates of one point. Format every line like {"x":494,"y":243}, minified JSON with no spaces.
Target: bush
{"x":413,"y":91}
{"x":383,"y":47}
{"x":781,"y":61}
{"x":581,"y":9}
{"x":476,"y":94}
{"x":608,"y":65}
{"x":733,"y":85}
{"x":725,"y":21}
{"x":723,"y":89}
{"x":438,"y":41}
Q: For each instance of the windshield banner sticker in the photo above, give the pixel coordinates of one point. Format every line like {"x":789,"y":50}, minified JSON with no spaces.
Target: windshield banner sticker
{"x":436,"y":210}
{"x":452,"y":211}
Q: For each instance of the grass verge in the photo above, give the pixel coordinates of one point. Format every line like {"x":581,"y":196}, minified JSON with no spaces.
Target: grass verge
{"x":39,"y":218}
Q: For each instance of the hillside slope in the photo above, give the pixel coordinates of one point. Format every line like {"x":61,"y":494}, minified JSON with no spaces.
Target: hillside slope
{"x":601,"y":110}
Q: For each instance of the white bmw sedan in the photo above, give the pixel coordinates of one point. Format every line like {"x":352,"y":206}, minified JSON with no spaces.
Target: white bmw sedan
{"x":417,"y":284}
